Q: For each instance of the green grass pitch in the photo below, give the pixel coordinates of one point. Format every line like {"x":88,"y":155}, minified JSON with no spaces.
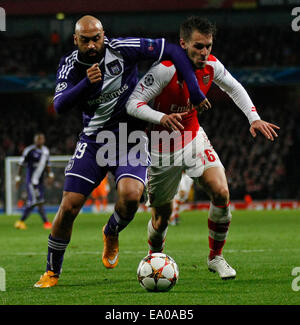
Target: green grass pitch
{"x":263,"y":246}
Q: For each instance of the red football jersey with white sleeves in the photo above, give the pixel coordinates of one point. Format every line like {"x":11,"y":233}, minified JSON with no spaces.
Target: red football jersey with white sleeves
{"x":174,"y":98}
{"x":165,"y":92}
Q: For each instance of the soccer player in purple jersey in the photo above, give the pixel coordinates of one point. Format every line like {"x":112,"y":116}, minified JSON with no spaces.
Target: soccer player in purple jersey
{"x":97,"y":79}
{"x":36,"y":159}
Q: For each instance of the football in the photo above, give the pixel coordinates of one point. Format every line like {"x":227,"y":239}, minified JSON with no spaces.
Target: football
{"x":157,"y":272}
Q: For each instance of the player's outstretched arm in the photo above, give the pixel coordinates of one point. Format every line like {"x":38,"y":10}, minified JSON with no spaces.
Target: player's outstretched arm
{"x":265,"y":128}
{"x":178,"y":56}
{"x":145,"y":92}
{"x":66,"y":99}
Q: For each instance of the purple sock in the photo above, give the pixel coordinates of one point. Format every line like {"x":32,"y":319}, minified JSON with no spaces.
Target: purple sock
{"x":26,"y":213}
{"x":115,"y":224}
{"x":56,"y":251}
{"x":42,"y":213}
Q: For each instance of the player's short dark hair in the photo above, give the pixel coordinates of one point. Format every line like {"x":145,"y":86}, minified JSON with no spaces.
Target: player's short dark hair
{"x":38,"y":134}
{"x":202,"y":25}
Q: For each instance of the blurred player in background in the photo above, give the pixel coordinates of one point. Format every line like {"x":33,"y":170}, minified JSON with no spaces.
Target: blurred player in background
{"x":172,"y":111}
{"x":36,"y":159}
{"x":180,"y":198}
{"x":98,"y":78}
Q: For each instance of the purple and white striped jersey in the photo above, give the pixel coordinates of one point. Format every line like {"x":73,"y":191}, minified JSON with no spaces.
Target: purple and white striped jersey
{"x":103,"y":104}
{"x":36,"y":160}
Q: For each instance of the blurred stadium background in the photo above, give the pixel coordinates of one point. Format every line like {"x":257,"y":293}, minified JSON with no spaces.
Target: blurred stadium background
{"x":255,"y":41}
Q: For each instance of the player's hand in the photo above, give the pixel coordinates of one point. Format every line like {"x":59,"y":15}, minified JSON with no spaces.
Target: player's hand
{"x":50,"y":179}
{"x":172,"y":121}
{"x":265,"y":128}
{"x":94,"y":73}
{"x":203,"y":106}
{"x":17,"y":181}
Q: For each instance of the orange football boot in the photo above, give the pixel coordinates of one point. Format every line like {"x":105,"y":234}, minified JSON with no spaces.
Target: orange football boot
{"x":110,"y":255}
{"x":47,"y":280}
{"x":20,"y":225}
{"x":47,"y":225}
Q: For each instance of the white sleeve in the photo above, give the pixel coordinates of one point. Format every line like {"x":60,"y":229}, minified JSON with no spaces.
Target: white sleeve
{"x":26,"y":151}
{"x":40,"y":166}
{"x":235,"y":90}
{"x":149,"y":87}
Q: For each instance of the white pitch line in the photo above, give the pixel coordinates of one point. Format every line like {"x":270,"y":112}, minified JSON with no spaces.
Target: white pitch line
{"x":72,"y":253}
{"x":249,"y":250}
{"x":68,"y":252}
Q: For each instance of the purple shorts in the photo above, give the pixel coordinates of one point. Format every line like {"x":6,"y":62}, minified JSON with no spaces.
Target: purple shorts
{"x":91,"y":162}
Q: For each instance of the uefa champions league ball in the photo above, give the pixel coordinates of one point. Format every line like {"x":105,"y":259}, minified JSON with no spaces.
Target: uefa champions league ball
{"x":157,"y":272}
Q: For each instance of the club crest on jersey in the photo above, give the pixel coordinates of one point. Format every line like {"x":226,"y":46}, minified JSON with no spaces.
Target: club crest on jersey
{"x":206,"y":79}
{"x":70,"y":165}
{"x":114,"y":67}
{"x":149,"y":80}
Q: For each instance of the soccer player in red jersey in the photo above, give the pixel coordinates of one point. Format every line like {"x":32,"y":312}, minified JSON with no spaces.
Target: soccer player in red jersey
{"x":163,"y":89}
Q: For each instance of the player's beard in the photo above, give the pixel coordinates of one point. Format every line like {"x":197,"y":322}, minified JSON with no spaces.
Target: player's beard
{"x":88,"y":58}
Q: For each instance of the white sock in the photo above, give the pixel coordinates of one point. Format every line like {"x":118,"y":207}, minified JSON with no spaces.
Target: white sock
{"x":156,"y":239}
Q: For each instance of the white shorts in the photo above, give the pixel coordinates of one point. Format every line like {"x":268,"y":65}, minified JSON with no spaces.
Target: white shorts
{"x":163,"y":181}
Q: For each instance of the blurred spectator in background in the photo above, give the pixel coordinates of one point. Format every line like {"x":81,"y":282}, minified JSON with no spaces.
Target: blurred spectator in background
{"x":55,"y":39}
{"x":35,"y":54}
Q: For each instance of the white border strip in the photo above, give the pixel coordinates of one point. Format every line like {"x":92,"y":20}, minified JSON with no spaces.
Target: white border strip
{"x":87,"y":179}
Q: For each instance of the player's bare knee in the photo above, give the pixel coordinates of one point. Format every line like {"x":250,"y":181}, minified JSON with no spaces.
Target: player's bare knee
{"x":132,"y":195}
{"x":69,"y":210}
{"x":221,"y":196}
{"x":71,"y":204}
